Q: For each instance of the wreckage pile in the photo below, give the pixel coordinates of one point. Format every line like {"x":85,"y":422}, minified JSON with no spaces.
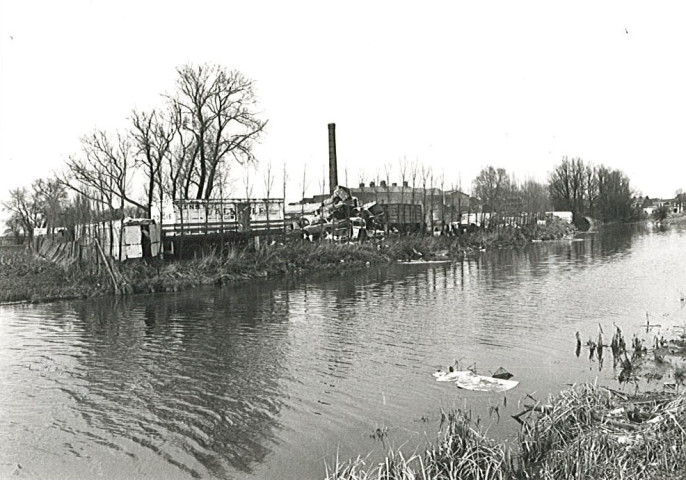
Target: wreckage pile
{"x":590,"y":431}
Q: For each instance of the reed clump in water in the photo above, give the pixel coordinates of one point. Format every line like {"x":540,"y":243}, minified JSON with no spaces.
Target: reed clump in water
{"x":586,"y":432}
{"x":593,"y":432}
{"x":462,"y":452}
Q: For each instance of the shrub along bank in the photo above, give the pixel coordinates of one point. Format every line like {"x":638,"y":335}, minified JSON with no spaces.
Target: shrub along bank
{"x":29,"y":278}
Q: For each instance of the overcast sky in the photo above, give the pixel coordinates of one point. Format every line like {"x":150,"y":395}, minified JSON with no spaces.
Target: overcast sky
{"x":457,"y":85}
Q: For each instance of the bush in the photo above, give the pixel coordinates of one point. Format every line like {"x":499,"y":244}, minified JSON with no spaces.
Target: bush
{"x":661,"y":213}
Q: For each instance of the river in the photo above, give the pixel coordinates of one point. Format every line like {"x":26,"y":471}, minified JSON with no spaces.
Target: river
{"x":275,"y":379}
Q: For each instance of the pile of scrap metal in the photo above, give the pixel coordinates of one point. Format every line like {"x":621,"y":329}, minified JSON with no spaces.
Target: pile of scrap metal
{"x":340,"y":217}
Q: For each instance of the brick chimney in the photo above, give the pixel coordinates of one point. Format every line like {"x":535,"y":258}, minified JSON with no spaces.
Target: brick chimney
{"x":333,"y":165}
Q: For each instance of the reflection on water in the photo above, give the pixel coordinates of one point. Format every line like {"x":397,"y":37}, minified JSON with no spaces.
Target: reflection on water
{"x":273,"y":379}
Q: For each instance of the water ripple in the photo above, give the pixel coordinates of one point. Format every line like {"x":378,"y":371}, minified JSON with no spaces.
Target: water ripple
{"x":272,"y":378}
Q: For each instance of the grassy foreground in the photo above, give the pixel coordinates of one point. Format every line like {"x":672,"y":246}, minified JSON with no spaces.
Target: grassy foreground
{"x":586,"y":432}
{"x":25,"y":277}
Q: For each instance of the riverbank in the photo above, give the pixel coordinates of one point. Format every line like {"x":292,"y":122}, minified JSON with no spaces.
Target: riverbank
{"x":587,"y":431}
{"x":25,"y":277}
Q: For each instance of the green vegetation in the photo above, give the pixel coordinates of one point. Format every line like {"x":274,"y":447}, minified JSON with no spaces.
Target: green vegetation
{"x":585,"y":432}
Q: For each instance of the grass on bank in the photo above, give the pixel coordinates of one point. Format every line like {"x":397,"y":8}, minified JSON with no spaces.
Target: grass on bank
{"x":586,"y":432}
{"x":27,"y":277}
{"x":241,"y":262}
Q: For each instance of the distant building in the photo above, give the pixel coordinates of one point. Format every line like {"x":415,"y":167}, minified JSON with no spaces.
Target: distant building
{"x":565,"y":216}
{"x":673,"y":205}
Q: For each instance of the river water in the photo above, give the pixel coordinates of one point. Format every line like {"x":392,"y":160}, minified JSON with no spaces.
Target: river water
{"x":275,"y":379}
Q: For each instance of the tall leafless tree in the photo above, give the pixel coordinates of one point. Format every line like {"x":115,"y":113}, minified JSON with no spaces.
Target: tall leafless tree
{"x":427,"y":174}
{"x":25,"y":210}
{"x":591,"y":183}
{"x":414,"y":171}
{"x":268,"y":185}
{"x":152,"y":137}
{"x":217,"y":123}
{"x":40,"y":206}
{"x":388,"y":168}
{"x":403,"y":179}
{"x":492,"y":187}
{"x":567,"y":186}
{"x":535,"y":199}
{"x":103,"y":171}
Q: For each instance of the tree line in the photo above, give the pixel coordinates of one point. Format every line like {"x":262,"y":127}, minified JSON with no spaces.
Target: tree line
{"x":182,"y":149}
{"x":585,"y":190}
{"x":185,"y":148}
{"x":596,"y":191}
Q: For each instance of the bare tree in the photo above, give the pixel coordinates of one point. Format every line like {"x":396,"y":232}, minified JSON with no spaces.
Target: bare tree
{"x":535,"y":199}
{"x":285,"y":178}
{"x":40,"y":206}
{"x":79,"y":214}
{"x":376,"y":187}
{"x":52,"y":198}
{"x":103,"y":171}
{"x":442,"y":180}
{"x":268,"y":185}
{"x":615,"y":196}
{"x":426,"y":173}
{"x":567,"y":186}
{"x":183,"y":150}
{"x":414,"y":170}
{"x":247,"y":182}
{"x":403,"y":179}
{"x":152,"y":137}
{"x":432,"y":202}
{"x":102,"y":174}
{"x":361,"y":176}
{"x":304,"y":188}
{"x":217,"y":123}
{"x":15,"y":227}
{"x":592,"y":192}
{"x":388,"y":168}
{"x":492,"y":186}
{"x":25,"y":209}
